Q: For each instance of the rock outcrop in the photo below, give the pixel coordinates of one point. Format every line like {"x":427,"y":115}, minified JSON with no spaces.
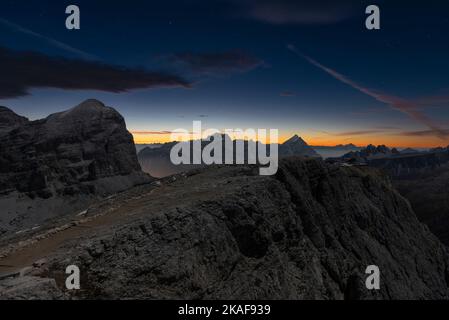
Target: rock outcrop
{"x":227,"y":233}
{"x":72,"y":155}
{"x":30,"y":288}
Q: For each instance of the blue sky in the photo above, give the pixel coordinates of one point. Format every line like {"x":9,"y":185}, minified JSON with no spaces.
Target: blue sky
{"x":235,"y":59}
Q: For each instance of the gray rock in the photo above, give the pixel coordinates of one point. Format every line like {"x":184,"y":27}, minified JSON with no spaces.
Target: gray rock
{"x":57,"y":165}
{"x":30,"y":288}
{"x":307,"y":233}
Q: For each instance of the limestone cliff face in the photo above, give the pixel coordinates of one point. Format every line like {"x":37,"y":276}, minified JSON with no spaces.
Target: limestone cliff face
{"x":226,"y":233}
{"x":55,"y":155}
{"x":86,"y":150}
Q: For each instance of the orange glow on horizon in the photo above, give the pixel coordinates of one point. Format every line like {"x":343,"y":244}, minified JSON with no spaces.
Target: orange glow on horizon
{"x":326,"y":140}
{"x":388,"y":140}
{"x":150,"y":138}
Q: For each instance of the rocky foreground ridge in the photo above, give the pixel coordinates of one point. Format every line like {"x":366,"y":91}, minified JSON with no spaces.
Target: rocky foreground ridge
{"x":227,"y":233}
{"x":57,"y":164}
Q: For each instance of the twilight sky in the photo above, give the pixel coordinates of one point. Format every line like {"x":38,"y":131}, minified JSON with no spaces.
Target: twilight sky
{"x":304,"y":67}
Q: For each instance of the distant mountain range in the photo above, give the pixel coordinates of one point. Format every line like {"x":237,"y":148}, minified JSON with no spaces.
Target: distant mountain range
{"x":294,"y":146}
{"x":139,"y":147}
{"x":156,"y":160}
{"x":371,"y":152}
{"x":335,"y":151}
{"x":399,"y":164}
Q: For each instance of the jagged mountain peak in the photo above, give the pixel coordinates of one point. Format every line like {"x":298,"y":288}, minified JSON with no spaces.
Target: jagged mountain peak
{"x":295,"y":139}
{"x":296,"y":146}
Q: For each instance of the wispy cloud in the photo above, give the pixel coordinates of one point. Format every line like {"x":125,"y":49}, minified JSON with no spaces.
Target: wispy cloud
{"x":163,"y":132}
{"x":387,"y":128}
{"x":408,"y":107}
{"x":217,"y":62}
{"x":423,"y":133}
{"x":287,"y":94}
{"x":298,"y":11}
{"x":51,"y":41}
{"x":152,"y":132}
{"x":358,"y":133}
{"x":353,"y":133}
{"x":369,"y":111}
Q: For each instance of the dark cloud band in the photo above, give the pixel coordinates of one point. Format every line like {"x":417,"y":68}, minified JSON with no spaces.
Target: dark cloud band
{"x":22,"y":71}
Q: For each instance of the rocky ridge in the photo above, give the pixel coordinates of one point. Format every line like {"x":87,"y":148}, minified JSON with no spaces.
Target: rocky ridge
{"x":227,"y":233}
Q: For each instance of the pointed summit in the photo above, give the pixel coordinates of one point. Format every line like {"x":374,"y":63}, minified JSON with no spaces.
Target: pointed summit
{"x":295,"y":140}
{"x":296,"y":146}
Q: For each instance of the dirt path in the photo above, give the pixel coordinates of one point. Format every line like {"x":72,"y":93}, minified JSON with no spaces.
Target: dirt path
{"x":25,"y":256}
{"x":129,"y":205}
